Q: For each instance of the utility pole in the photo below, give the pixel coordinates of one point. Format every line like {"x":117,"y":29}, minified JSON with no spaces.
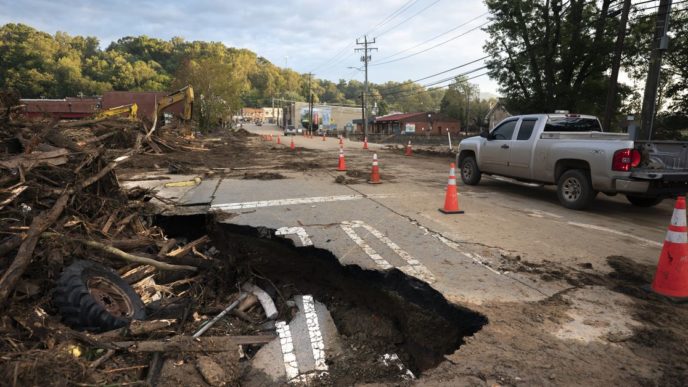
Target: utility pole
{"x":310,"y":105}
{"x":365,"y":59}
{"x":661,"y":42}
{"x":468,"y":107}
{"x":616,"y":63}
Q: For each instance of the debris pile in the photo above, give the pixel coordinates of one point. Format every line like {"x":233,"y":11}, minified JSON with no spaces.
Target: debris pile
{"x":82,"y":258}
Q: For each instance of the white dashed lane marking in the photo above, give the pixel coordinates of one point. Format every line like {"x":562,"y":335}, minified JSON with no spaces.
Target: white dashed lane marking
{"x":413,"y":267}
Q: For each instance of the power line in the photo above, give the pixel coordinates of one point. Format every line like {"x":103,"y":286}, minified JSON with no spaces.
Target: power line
{"x":435,"y":82}
{"x":407,"y":19}
{"x":346,"y":48}
{"x":432,"y":47}
{"x":394,"y":14}
{"x":436,"y":74}
{"x":435,"y":37}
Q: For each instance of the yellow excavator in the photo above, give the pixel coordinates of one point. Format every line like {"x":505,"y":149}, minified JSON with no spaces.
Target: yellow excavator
{"x":131,"y":110}
{"x":184,"y":94}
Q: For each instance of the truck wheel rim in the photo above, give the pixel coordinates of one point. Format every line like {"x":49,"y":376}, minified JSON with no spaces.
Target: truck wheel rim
{"x":571,"y":189}
{"x":467,"y":171}
{"x":110,"y":296}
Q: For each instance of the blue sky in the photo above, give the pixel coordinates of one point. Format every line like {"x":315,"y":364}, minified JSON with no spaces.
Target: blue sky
{"x":306,"y":35}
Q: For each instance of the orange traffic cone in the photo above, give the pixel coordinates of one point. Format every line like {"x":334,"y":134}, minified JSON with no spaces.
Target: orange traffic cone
{"x":278,"y":140}
{"x":270,"y":137}
{"x":292,"y":144}
{"x":342,"y":163}
{"x":409,"y":151}
{"x":365,"y":143}
{"x":341,"y":140}
{"x":323,"y":136}
{"x":451,"y":199}
{"x":375,"y":173}
{"x":671,"y":278}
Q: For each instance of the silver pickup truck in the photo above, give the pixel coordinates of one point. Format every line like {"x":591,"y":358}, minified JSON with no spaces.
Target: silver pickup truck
{"x":572,"y":151}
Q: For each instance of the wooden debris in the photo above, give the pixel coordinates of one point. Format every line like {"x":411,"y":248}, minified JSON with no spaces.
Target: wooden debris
{"x":23,"y":258}
{"x":166,"y":247}
{"x":137,"y":328}
{"x":30,"y":160}
{"x":14,"y":193}
{"x":187,"y":248}
{"x":190,"y":344}
{"x":115,"y":252}
{"x":212,"y":373}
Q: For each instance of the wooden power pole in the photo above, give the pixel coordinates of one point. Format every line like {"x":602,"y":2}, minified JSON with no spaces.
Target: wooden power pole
{"x":616,"y":64}
{"x":365,"y":59}
{"x":660,"y":45}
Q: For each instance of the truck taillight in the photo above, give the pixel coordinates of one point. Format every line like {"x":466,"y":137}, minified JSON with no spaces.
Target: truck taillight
{"x":625,"y":159}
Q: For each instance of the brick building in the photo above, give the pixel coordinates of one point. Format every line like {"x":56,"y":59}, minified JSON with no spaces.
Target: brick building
{"x":68,"y":108}
{"x":419,"y":123}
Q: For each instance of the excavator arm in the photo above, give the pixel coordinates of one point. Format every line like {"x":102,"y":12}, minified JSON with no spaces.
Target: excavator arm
{"x":185,"y":95}
{"x":131,"y":109}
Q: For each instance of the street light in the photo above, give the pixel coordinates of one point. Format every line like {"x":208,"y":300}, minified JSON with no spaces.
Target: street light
{"x":430,"y":122}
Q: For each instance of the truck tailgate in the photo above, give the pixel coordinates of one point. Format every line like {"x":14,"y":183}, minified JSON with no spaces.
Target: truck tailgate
{"x":666,"y":160}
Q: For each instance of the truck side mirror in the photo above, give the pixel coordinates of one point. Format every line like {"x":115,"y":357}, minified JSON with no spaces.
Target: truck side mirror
{"x":485,"y":135}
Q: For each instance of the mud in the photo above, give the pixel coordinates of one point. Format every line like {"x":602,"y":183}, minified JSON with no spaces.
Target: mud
{"x":521,"y":345}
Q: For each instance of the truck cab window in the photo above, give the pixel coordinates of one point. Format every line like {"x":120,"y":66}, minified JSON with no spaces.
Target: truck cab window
{"x":572,"y":124}
{"x":505,"y":131}
{"x":526,"y":129}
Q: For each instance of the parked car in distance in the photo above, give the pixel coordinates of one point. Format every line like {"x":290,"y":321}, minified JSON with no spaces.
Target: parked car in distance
{"x":572,"y":152}
{"x":292,"y":130}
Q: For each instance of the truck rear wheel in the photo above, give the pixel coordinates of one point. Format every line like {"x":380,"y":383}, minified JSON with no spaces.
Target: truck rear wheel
{"x":641,"y":201}
{"x":470,"y":174}
{"x":575,"y":189}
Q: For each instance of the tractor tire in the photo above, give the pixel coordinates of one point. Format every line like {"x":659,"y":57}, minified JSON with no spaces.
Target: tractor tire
{"x":94,"y":298}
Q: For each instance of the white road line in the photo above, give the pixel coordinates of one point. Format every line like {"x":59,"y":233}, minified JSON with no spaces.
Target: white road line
{"x":290,"y":364}
{"x":298,"y":231}
{"x":475,"y":257}
{"x":540,"y":214}
{"x":615,"y":232}
{"x":287,"y":202}
{"x":453,"y":245}
{"x":414,"y":267}
{"x":314,"y":333}
{"x":377,"y":258}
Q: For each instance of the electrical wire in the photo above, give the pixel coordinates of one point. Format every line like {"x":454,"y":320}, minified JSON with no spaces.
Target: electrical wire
{"x":407,"y":19}
{"x":349,"y":46}
{"x":434,"y":37}
{"x":432,"y":47}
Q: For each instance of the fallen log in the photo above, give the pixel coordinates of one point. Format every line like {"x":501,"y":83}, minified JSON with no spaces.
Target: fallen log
{"x":190,"y":344}
{"x":115,"y":252}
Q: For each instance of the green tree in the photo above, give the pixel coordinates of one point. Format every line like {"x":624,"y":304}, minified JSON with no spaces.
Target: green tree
{"x":548,"y":55}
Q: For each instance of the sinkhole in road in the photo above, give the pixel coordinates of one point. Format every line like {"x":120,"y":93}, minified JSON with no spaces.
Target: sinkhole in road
{"x":375,"y":312}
